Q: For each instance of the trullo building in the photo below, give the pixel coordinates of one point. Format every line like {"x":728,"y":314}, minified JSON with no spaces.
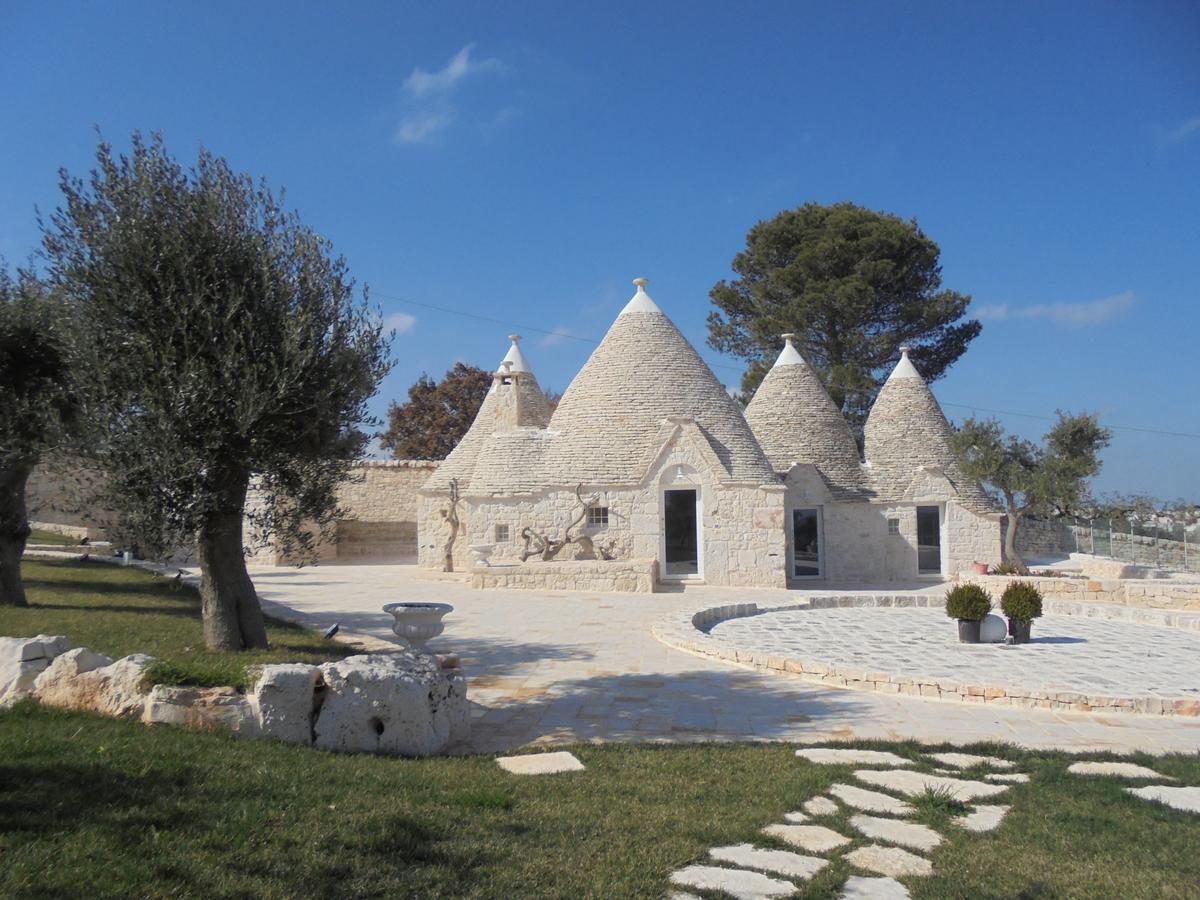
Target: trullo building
{"x":681,"y":483}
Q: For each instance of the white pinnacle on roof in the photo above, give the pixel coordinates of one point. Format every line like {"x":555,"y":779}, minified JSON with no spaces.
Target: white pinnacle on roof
{"x":795,"y":421}
{"x":642,"y":372}
{"x":906,"y":430}
{"x":641,"y":301}
{"x":461,"y":462}
{"x":515,"y":356}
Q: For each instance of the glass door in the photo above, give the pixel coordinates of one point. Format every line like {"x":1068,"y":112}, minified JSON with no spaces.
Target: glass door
{"x":929,"y":540}
{"x":680,"y":534}
{"x":806,"y":543}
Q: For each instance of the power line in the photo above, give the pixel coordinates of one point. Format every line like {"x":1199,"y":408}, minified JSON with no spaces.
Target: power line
{"x":591,"y":340}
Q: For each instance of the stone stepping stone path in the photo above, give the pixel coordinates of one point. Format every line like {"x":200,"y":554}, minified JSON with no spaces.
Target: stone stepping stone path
{"x":1008,"y":777}
{"x":914,"y":783}
{"x":969,"y":760}
{"x":813,"y":838}
{"x":1117,"y":769}
{"x":820,"y":806}
{"x":859,"y":887}
{"x":870,"y":801}
{"x":540,"y":763}
{"x":738,"y":883}
{"x":983,"y":818}
{"x":795,"y":818}
{"x":894,"y":831}
{"x":1186,"y":799}
{"x":779,"y":862}
{"x":829,"y":756}
{"x":890,"y":861}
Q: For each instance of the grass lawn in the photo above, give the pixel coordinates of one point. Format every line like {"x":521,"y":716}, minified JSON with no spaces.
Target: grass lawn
{"x":117,"y":611}
{"x":155,"y":812}
{"x":109,"y":808}
{"x":38,"y":536}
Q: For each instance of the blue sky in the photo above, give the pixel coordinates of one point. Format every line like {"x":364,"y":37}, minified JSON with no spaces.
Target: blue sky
{"x":525,"y":161}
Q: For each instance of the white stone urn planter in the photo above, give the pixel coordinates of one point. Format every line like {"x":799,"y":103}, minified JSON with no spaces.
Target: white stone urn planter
{"x":481,"y":552}
{"x":417,"y":623}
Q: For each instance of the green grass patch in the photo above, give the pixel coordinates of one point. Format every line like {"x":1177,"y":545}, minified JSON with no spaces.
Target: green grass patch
{"x":117,"y":611}
{"x":41,"y":536}
{"x":154,"y":812}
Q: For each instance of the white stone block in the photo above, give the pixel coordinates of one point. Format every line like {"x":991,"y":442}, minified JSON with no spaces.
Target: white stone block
{"x":831,"y":756}
{"x":399,"y":703}
{"x":737,"y":883}
{"x":813,"y":838}
{"x":1182,"y":798}
{"x":22,"y":660}
{"x":870,"y":801}
{"x":540,"y":763}
{"x":914,"y":783}
{"x":283,"y":700}
{"x":205,"y":709}
{"x":908,"y":834}
{"x":1115,"y":769}
{"x":779,"y":862}
{"x":891,"y":861}
{"x":118,"y":689}
{"x":983,"y":818}
{"x":860,"y":887}
{"x":53,"y":686}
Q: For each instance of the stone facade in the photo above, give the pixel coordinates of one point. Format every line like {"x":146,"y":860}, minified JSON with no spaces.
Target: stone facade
{"x":646,"y":417}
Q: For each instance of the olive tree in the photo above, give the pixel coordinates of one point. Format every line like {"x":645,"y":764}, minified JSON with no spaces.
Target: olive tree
{"x":229,"y":345}
{"x":1038,"y":479}
{"x":38,"y":406}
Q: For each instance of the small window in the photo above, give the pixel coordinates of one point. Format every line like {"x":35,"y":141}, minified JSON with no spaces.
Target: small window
{"x":597,"y":516}
{"x":893,"y":526}
{"x":501,"y":533}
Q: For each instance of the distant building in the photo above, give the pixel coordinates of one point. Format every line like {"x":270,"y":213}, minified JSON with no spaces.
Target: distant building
{"x":775,"y":496}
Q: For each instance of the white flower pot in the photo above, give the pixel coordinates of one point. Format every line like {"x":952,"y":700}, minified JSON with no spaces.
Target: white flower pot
{"x":417,"y":623}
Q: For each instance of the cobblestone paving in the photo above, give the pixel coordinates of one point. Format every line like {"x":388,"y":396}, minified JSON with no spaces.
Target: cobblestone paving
{"x":553,"y":667}
{"x":1067,"y":652}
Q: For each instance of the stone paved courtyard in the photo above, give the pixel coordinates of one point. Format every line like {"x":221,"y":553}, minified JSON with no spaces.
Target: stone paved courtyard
{"x":1067,"y":652}
{"x":557,"y":667}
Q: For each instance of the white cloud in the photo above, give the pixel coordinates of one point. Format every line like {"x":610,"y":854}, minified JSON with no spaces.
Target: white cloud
{"x":426,"y":99}
{"x":558,"y":336}
{"x":1087,"y":312}
{"x":424,"y":126}
{"x":1185,"y":131}
{"x":421,"y":84}
{"x":401,"y":322}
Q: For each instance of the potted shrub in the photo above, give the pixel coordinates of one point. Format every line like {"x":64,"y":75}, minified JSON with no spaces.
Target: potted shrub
{"x":968,"y":603}
{"x":1021,"y":603}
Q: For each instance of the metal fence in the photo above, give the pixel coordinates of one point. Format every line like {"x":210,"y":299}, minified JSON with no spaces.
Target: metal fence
{"x":1176,"y":548}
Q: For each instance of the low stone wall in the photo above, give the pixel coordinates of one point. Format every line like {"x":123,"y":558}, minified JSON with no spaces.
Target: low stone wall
{"x":1152,"y":593}
{"x":691,"y":632}
{"x":636,"y":575}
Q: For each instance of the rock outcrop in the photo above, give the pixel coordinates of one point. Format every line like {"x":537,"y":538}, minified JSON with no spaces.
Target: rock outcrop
{"x":22,"y":660}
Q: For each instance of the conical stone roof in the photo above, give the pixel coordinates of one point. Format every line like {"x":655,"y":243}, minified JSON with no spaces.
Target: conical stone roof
{"x":643,"y":371}
{"x":905,"y":430}
{"x":535,"y":411}
{"x":795,"y":421}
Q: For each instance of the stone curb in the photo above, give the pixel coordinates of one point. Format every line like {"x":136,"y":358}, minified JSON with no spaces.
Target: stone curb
{"x":690,"y":631}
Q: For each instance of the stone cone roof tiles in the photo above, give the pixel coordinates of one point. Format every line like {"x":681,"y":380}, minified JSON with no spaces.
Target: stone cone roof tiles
{"x":643,"y":371}
{"x":795,"y":421}
{"x":461,"y":462}
{"x":906,"y":430}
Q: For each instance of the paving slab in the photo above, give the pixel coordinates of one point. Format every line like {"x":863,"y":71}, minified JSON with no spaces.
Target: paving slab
{"x":820,"y":806}
{"x":535,"y":660}
{"x":813,"y":838}
{"x":1116,"y":769}
{"x":1008,"y":777}
{"x":779,"y":862}
{"x":967,"y":760}
{"x":890,"y":861}
{"x":831,"y":756}
{"x":737,"y":883}
{"x":871,"y":801}
{"x":893,"y":831}
{"x":540,"y":763}
{"x":860,"y":887}
{"x":795,"y":818}
{"x":1186,"y":799}
{"x":914,"y":783}
{"x":983,"y":818}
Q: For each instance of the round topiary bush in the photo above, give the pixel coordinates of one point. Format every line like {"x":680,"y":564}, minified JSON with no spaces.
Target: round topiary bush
{"x":1021,"y":601}
{"x":968,"y":602}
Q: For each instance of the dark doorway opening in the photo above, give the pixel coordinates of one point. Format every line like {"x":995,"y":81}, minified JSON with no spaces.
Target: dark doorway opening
{"x":929,"y":540}
{"x":680,"y":534}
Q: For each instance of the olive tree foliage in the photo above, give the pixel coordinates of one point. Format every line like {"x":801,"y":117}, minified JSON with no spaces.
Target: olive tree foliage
{"x":39,"y":406}
{"x":853,"y":285}
{"x":229,"y":345}
{"x":1033,"y":479}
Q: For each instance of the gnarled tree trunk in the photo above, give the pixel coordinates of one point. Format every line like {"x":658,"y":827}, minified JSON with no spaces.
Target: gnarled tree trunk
{"x":14,"y":532}
{"x":233,"y":619}
{"x":1010,"y":539}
